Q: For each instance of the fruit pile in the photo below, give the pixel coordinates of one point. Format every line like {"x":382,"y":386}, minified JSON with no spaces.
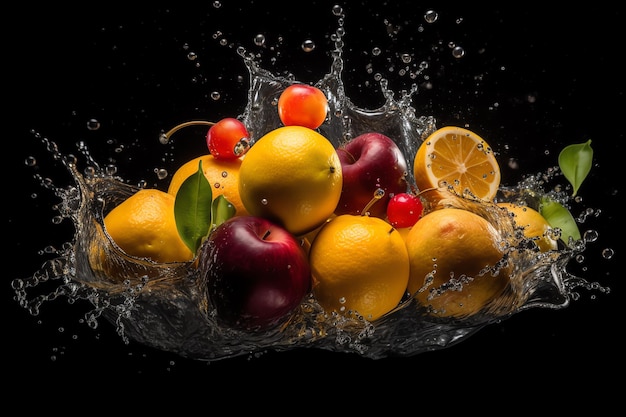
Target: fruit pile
{"x":268,"y":223}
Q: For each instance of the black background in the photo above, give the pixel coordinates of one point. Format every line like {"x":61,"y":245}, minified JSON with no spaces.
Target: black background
{"x":130,"y":71}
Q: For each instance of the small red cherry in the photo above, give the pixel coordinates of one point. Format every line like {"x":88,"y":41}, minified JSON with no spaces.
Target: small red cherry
{"x":404,"y":210}
{"x":228,"y":139}
{"x":302,"y":105}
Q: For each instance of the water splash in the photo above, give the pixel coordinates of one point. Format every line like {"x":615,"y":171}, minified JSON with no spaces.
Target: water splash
{"x":164,"y":305}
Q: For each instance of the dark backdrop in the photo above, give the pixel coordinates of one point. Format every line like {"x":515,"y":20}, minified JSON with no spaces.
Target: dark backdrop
{"x":532,"y":81}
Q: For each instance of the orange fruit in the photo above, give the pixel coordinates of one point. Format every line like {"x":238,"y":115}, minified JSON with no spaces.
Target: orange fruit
{"x":143,"y":226}
{"x":222,"y":174}
{"x":458,"y":159}
{"x":359,"y":265}
{"x":533,"y":224}
{"x":291,"y":175}
{"x":454,"y":256}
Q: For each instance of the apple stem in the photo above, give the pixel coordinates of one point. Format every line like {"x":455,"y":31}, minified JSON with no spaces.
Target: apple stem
{"x":267,"y":233}
{"x":378,"y":194}
{"x":165,"y":137}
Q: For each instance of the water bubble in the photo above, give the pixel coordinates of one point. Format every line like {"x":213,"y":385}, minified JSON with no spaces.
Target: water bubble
{"x":217,"y":4}
{"x":192,"y":56}
{"x":259,"y":40}
{"x":264,"y":201}
{"x":431,"y":16}
{"x":30,"y":161}
{"x":458,"y":52}
{"x":215,"y":95}
{"x":161,"y":173}
{"x":308,"y":45}
{"x":608,"y":253}
{"x":590,"y":236}
{"x":93,"y":124}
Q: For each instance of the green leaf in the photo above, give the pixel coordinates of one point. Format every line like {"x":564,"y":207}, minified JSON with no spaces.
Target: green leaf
{"x":575,"y":163}
{"x":192,"y":209}
{"x":558,"y":216}
{"x":221,"y":210}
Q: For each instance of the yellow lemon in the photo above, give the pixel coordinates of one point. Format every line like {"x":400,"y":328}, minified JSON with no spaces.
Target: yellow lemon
{"x":143,"y":225}
{"x":359,"y":265}
{"x":223,"y":175}
{"x":457,"y":158}
{"x":533,"y":224}
{"x":454,"y":256}
{"x":291,"y":175}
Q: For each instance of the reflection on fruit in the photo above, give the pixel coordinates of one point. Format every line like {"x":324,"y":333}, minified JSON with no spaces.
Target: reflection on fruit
{"x":255,"y":271}
{"x":369,"y":162}
{"x":359,"y":264}
{"x":302,"y":105}
{"x":292,"y":176}
{"x":143,"y":225}
{"x":454,"y":257}
{"x":457,"y":158}
{"x":223,"y":175}
{"x":534,"y":225}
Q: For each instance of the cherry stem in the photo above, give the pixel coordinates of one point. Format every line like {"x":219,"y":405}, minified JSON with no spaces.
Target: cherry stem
{"x":165,"y":137}
{"x":266,"y":235}
{"x":378,"y":194}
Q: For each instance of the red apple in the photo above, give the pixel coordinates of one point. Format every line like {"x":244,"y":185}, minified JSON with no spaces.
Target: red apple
{"x":256,"y":272}
{"x":368,"y":162}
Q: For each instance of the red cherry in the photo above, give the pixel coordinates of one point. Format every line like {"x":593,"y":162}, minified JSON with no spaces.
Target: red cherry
{"x":404,"y":210}
{"x":228,"y":139}
{"x":302,"y":105}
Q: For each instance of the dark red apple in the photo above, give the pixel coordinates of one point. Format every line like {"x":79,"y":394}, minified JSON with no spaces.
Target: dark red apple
{"x":368,"y":162}
{"x":256,"y":272}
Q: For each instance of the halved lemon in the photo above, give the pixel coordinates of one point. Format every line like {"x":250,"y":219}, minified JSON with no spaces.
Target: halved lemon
{"x":458,"y":159}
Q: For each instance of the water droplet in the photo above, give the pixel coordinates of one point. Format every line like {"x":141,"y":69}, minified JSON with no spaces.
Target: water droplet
{"x":458,"y":52}
{"x":241,"y":147}
{"x":161,"y":173}
{"x":30,"y":161}
{"x":608,"y":253}
{"x":192,"y":56}
{"x":431,"y":16}
{"x":93,"y":124}
{"x":259,"y":40}
{"x":264,"y":201}
{"x":308,"y":45}
{"x":215,"y":95}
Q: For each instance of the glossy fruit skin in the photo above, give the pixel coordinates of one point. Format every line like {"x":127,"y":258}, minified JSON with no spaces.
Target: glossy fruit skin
{"x":256,"y":272}
{"x":370,"y":161}
{"x":460,"y":246}
{"x":302,"y":105}
{"x":224,"y":136}
{"x":292,"y":176}
{"x":359,"y":264}
{"x":144,"y":226}
{"x":404,"y":210}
